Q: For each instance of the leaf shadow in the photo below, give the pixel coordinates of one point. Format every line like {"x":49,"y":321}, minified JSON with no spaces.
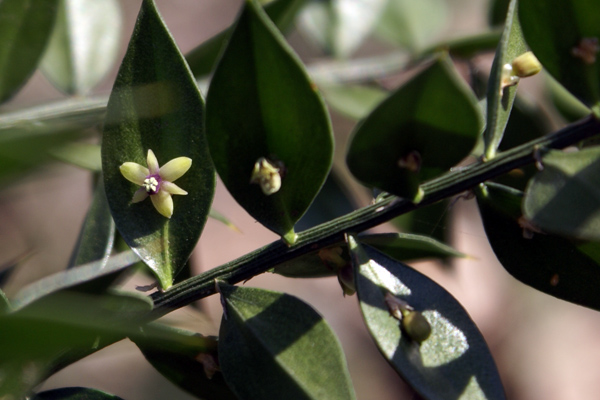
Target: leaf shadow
{"x":456,"y":358}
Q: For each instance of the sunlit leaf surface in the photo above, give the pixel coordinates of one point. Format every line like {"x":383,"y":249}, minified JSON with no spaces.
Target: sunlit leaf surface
{"x":454,"y":362}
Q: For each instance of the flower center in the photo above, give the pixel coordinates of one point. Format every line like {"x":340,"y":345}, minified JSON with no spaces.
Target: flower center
{"x":152,"y":184}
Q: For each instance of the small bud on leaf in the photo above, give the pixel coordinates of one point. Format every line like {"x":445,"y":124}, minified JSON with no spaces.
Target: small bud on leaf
{"x":526,"y":65}
{"x":267,"y":175}
{"x":416,"y":326}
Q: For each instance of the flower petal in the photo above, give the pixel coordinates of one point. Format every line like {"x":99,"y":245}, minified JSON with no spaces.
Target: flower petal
{"x":163,"y":202}
{"x":175,"y":168}
{"x":172,"y":188}
{"x":139,"y":195}
{"x":152,"y":162}
{"x":134,"y":172}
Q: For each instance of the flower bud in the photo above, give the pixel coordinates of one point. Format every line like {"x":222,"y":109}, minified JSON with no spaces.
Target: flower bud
{"x":416,"y":326}
{"x":526,"y":65}
{"x":267,"y":175}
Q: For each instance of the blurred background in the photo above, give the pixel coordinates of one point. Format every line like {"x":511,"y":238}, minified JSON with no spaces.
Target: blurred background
{"x":544,"y":348}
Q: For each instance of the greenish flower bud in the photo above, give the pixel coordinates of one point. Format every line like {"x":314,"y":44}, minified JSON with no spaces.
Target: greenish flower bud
{"x":416,"y":326}
{"x":526,"y":65}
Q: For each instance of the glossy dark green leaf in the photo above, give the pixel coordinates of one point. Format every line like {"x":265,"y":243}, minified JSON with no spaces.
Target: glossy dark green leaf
{"x":84,"y":44}
{"x":500,"y":100}
{"x":353,"y":101}
{"x":276,"y":113}
{"x":454,"y":362}
{"x":340,"y":26}
{"x":25,"y":27}
{"x":404,"y":141}
{"x":274,"y":346}
{"x":75,"y":393}
{"x":412,"y":24}
{"x":202,"y":59}
{"x":155,"y":105}
{"x":559,"y":32}
{"x":554,"y":265}
{"x":176,"y":354}
{"x":564,"y":198}
{"x":72,"y":278}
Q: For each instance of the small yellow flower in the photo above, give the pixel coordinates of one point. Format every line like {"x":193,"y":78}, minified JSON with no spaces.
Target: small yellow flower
{"x":157,"y":182}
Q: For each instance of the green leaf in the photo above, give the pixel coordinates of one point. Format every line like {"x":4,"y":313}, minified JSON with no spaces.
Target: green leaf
{"x":202,"y":59}
{"x":340,"y":26}
{"x":454,"y":362}
{"x":25,"y":27}
{"x":307,"y":266}
{"x":22,"y":149}
{"x":175,"y":354}
{"x":557,"y":266}
{"x":155,"y":104}
{"x":412,"y":24}
{"x":83,"y":155}
{"x":333,"y":200}
{"x":353,"y":101}
{"x":404,"y":140}
{"x":407,"y":247}
{"x":500,"y":100}
{"x":276,"y":113}
{"x":401,"y":246}
{"x":73,"y":325}
{"x":83,"y":45}
{"x":567,"y":105}
{"x":74,"y":393}
{"x":527,"y":122}
{"x":564,"y":198}
{"x":4,"y":303}
{"x":274,"y":346}
{"x":95,"y":243}
{"x":214,"y":214}
{"x":497,"y":12}
{"x":74,"y":277}
{"x":10,"y":266}
{"x":97,"y":234}
{"x":554,"y":29}
{"x":433,"y":221}
{"x":466,"y":47}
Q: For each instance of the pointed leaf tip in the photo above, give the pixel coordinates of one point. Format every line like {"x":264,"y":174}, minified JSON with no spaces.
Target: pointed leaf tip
{"x":276,"y":115}
{"x":155,"y":114}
